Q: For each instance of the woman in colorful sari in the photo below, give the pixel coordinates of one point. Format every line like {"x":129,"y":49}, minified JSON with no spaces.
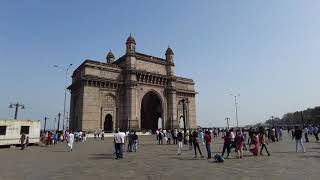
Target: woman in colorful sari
{"x":255,"y":144}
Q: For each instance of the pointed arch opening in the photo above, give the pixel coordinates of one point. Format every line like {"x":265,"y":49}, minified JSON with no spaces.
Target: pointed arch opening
{"x":151,"y":112}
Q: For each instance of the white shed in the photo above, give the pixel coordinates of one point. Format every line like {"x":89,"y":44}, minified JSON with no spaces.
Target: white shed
{"x":11,"y":130}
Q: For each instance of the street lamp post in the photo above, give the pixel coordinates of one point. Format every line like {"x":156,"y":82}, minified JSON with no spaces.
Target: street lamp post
{"x":272,"y":121}
{"x":236,"y":106}
{"x":59,"y":115}
{"x":227,"y":121}
{"x":45,"y":123}
{"x":66,"y":70}
{"x":16,"y":106}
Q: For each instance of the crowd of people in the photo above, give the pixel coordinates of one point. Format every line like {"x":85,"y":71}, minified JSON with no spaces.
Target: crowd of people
{"x":48,"y":138}
{"x":253,"y":140}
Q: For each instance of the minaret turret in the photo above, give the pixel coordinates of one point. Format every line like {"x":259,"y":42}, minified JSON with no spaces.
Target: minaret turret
{"x":110,"y":57}
{"x":170,"y":63}
{"x":131,"y":45}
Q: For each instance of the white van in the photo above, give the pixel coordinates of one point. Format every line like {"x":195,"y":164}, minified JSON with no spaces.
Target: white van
{"x":11,"y":130}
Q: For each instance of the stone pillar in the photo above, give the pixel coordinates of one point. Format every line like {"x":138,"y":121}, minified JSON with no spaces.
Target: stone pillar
{"x":131,"y":107}
{"x":172,"y":110}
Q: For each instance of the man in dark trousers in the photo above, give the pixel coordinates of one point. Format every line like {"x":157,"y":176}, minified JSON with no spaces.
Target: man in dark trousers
{"x":22,"y":140}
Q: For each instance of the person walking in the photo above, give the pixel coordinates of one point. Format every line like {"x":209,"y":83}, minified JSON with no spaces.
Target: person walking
{"x":196,"y":146}
{"x":179,"y":140}
{"x":298,"y":138}
{"x":70,"y":140}
{"x":207,"y":139}
{"x":255,"y":144}
{"x":263,"y":142}
{"x":232,"y":143}
{"x":239,"y":139}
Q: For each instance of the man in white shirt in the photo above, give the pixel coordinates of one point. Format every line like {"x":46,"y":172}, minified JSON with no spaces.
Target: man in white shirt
{"x":70,"y":140}
{"x":119,"y":141}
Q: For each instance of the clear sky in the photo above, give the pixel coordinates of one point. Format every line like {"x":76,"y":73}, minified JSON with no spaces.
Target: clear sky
{"x":268,"y":51}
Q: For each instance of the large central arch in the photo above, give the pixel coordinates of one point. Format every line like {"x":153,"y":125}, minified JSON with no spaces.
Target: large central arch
{"x":151,"y":111}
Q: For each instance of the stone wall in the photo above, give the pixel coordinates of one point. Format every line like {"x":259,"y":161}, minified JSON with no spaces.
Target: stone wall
{"x":151,"y":67}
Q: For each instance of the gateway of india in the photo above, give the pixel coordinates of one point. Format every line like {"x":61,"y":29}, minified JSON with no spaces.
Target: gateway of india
{"x":136,"y":91}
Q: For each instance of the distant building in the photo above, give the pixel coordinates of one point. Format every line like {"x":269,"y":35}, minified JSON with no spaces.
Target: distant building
{"x":135,"y":91}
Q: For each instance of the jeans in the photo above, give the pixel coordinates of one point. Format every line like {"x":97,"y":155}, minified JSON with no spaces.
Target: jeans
{"x":299,"y":142}
{"x":135,"y":145}
{"x":179,"y":147}
{"x":208,"y":150}
{"x":119,"y":150}
{"x":129,"y":146}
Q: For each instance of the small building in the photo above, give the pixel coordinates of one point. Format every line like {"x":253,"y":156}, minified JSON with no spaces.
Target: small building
{"x":11,"y":130}
{"x":135,"y":91}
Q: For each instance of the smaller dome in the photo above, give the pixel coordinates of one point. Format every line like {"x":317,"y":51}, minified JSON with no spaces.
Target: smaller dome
{"x":130,"y":40}
{"x":169,"y":51}
{"x":110,"y":55}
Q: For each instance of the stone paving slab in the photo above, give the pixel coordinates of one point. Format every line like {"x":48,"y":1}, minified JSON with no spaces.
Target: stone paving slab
{"x":94,"y":159}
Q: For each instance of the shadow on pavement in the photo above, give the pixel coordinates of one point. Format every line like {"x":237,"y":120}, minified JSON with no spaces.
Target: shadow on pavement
{"x":101,"y":156}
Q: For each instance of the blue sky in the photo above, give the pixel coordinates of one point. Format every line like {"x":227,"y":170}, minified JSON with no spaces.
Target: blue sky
{"x":268,"y":51}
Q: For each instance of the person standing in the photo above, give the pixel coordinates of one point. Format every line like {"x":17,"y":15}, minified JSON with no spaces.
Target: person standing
{"x":160,"y":136}
{"x":306,"y":131}
{"x":174,"y":135}
{"x":169,"y":136}
{"x":70,"y":140}
{"x":207,"y":139}
{"x":298,"y":138}
{"x":23,"y":141}
{"x":157,"y":133}
{"x":225,"y":143}
{"x":130,"y":141}
{"x":179,"y":139}
{"x":201,"y":137}
{"x":196,"y":144}
{"x":135,"y":141}
{"x":315,"y":132}
{"x":102,"y":135}
{"x":119,"y":141}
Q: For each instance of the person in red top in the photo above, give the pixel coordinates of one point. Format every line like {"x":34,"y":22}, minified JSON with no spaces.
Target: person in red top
{"x":225,"y":143}
{"x":207,"y":139}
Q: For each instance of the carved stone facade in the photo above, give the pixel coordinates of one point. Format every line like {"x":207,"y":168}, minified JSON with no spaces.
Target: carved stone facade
{"x":136,"y":91}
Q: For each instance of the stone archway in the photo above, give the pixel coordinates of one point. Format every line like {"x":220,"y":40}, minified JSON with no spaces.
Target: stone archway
{"x":151,"y":111}
{"x":108,"y":123}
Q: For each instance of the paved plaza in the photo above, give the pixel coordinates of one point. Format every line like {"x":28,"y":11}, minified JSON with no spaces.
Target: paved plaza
{"x":94,"y":159}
